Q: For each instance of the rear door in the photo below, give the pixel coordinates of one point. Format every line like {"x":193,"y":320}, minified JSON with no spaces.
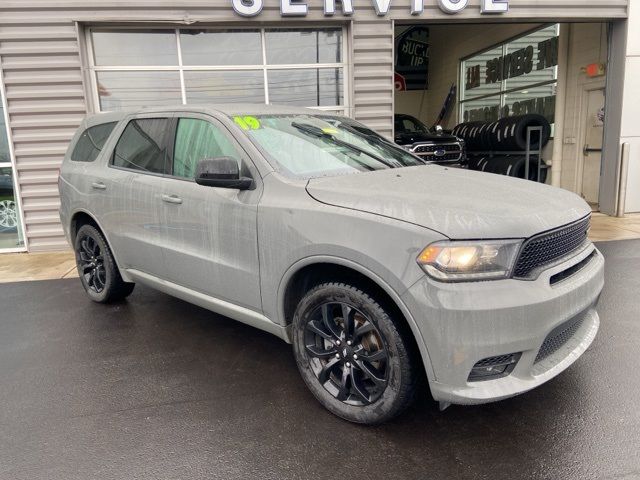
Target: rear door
{"x":132,"y":216}
{"x":210,"y":242}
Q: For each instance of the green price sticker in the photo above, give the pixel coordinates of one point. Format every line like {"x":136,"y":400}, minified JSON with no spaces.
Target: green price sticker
{"x":247,"y":122}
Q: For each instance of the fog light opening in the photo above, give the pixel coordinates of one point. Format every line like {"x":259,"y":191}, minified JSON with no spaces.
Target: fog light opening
{"x":494,"y":367}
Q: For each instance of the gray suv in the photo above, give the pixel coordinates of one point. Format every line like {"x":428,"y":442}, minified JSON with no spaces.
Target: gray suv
{"x":378,"y":267}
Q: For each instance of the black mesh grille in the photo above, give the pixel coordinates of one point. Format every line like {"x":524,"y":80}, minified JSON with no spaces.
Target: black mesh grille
{"x":548,"y":247}
{"x":433,"y":158}
{"x":449,"y":147}
{"x":500,"y":360}
{"x":559,"y":336}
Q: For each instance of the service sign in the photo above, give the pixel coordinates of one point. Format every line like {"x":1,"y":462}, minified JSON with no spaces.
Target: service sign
{"x":300,"y":8}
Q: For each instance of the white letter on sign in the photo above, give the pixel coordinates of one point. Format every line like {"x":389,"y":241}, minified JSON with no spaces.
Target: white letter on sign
{"x":453,"y":6}
{"x":330,"y":7}
{"x":247,"y":8}
{"x":290,"y":9}
{"x":417,"y":7}
{"x":494,"y":6}
{"x":381,"y":6}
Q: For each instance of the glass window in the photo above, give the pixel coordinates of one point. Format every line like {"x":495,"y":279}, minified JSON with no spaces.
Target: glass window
{"x":479,"y":79}
{"x":10,"y":232}
{"x":221,"y":47}
{"x":135,"y":68}
{"x":307,"y":88}
{"x":10,"y":227}
{"x":289,"y":46}
{"x":142,"y":145}
{"x":127,"y":90}
{"x":91,"y":142}
{"x":198,"y":140}
{"x":516,"y":78}
{"x":135,"y":47}
{"x":483,"y":110}
{"x":5,"y":156}
{"x":534,"y":58}
{"x":224,"y":86}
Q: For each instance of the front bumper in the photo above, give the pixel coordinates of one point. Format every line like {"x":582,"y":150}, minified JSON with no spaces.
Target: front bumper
{"x":464,"y":323}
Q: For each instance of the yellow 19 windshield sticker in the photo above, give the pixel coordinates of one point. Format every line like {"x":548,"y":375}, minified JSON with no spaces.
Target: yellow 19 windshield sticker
{"x":247,"y":122}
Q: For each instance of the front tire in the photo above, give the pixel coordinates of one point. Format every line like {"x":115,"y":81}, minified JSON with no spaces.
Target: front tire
{"x":352,"y":355}
{"x":98,"y":271}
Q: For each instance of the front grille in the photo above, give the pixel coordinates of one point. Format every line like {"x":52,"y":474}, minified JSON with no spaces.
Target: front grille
{"x":430,"y":148}
{"x":559,"y":336}
{"x":443,"y":158}
{"x":545,"y":249}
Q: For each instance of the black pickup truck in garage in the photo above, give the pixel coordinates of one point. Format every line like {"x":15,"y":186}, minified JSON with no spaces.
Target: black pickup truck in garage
{"x":438,"y":147}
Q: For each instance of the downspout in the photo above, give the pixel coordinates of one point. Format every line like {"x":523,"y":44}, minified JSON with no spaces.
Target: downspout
{"x":561,"y":101}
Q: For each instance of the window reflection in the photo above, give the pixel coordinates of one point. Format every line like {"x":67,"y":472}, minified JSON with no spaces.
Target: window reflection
{"x":311,"y":88}
{"x":10,"y":231}
{"x":287,"y":46}
{"x":224,"y":87}
{"x":125,"y":90}
{"x":221,"y":47}
{"x":135,"y":47}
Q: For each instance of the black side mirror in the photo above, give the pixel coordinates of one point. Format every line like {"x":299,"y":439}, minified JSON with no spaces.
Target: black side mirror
{"x":222,"y":172}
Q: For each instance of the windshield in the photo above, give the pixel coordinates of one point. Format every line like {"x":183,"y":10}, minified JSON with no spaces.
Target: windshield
{"x":410,"y":125}
{"x":320,"y":145}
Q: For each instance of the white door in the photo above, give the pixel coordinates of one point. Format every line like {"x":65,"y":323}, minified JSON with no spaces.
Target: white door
{"x":592,"y":153}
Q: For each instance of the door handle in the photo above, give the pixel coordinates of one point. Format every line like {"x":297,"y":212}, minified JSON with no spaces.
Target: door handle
{"x":172,"y":199}
{"x":98,"y":186}
{"x":587,"y":150}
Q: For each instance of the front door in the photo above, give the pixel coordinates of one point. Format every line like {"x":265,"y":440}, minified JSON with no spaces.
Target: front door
{"x":592,"y":152}
{"x":211,"y":239}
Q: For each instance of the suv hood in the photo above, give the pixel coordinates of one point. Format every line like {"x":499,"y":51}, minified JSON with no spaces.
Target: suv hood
{"x":411,"y":138}
{"x":460,"y":204}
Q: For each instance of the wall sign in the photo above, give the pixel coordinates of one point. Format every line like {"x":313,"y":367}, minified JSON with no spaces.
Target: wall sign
{"x":300,"y":8}
{"x":412,"y":59}
{"x":516,"y":64}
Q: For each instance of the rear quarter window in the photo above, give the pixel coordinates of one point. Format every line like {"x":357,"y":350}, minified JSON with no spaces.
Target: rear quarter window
{"x":90,"y":143}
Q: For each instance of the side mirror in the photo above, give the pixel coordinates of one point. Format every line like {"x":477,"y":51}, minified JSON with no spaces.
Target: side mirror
{"x":222,"y":172}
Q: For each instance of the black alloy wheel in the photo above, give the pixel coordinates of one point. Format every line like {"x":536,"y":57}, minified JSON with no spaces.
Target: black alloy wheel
{"x":91,"y":263}
{"x":347,"y":354}
{"x":353,"y":353}
{"x":97,"y":269}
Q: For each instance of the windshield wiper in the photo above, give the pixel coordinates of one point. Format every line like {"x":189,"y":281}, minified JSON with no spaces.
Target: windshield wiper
{"x":319,"y":133}
{"x":373,"y":138}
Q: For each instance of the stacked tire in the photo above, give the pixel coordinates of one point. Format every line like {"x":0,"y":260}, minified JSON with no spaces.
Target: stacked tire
{"x":510,"y":165}
{"x":505,"y":135}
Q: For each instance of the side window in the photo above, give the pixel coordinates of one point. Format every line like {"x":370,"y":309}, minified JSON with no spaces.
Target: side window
{"x":197,"y":140}
{"x":91,"y":141}
{"x":141,"y":146}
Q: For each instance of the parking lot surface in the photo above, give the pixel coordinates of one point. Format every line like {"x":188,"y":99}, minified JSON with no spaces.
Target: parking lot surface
{"x":157,"y":388}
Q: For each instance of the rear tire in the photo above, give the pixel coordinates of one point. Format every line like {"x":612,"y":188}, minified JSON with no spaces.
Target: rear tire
{"x":97,"y":269}
{"x":361,"y":369}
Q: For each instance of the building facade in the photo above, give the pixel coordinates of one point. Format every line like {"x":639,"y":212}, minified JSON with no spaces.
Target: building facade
{"x":60,"y":61}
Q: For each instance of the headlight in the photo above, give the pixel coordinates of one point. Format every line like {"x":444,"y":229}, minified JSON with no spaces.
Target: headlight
{"x":469,"y":261}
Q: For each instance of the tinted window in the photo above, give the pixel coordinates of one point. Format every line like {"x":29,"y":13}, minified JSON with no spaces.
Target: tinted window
{"x":141,"y":146}
{"x":91,"y":142}
{"x":195,"y":141}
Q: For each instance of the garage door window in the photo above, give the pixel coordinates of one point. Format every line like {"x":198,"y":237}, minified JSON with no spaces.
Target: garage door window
{"x":514,"y":78}
{"x":141,"y":68}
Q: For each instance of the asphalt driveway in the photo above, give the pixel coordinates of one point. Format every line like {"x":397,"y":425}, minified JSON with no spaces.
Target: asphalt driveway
{"x":160,"y":389}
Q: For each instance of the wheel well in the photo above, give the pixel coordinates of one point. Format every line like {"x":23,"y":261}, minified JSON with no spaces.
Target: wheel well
{"x":80,"y":219}
{"x":311,"y":275}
